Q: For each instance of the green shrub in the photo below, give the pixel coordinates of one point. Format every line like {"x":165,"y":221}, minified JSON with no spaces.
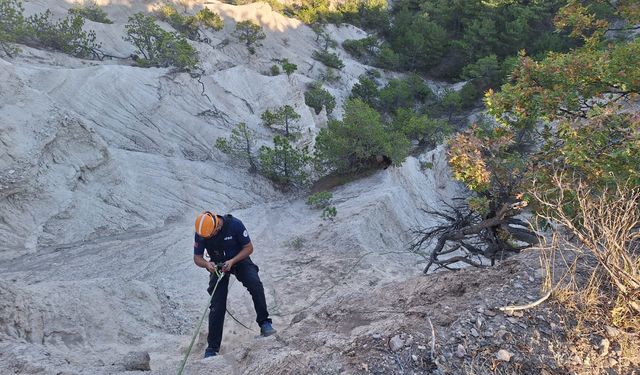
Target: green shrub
{"x":190,"y":26}
{"x":469,"y":95}
{"x":329,"y":213}
{"x":274,"y":70}
{"x":366,"y":89}
{"x":91,"y":11}
{"x":320,"y":200}
{"x":316,"y":97}
{"x":208,"y":19}
{"x":296,"y":243}
{"x":283,"y":164}
{"x":330,"y":75}
{"x":250,"y":34}
{"x":420,"y":127}
{"x":329,"y":59}
{"x":388,"y":58}
{"x":360,"y":48}
{"x":157,"y":46}
{"x":12,"y":25}
{"x":288,"y":67}
{"x":240,"y":145}
{"x":352,"y":145}
{"x":41,"y":31}
{"x":283,"y":119}
{"x":65,"y":35}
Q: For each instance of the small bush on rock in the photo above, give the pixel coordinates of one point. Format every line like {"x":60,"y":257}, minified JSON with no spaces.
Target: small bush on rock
{"x":90,"y":11}
{"x":159,"y":47}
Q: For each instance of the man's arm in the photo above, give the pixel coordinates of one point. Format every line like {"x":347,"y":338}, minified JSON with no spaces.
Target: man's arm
{"x":244,"y":253}
{"x":199,"y":260}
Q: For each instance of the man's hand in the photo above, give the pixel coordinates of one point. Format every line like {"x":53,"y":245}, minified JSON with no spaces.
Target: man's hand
{"x":226,"y":267}
{"x":211,"y":267}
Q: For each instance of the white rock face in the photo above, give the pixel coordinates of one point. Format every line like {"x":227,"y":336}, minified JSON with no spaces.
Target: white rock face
{"x":103,"y":167}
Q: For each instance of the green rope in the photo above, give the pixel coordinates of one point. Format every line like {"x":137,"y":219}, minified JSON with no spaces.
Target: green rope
{"x":220,"y":275}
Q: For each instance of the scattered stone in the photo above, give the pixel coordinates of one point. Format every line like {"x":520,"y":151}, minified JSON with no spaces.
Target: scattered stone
{"x":512,"y":320}
{"x":500,"y":334}
{"x":504,"y":355}
{"x":531,"y":297}
{"x":604,"y":347}
{"x":376,"y":336}
{"x":611,"y":331}
{"x":299,"y":317}
{"x":461,"y":352}
{"x":479,"y":322}
{"x":536,"y":334}
{"x":137,"y":361}
{"x":409,"y":341}
{"x":422,"y":347}
{"x":474,"y":332}
{"x":396,"y":343}
{"x":518,"y":285}
{"x":414,"y":357}
{"x":489,"y":313}
{"x":612,"y":362}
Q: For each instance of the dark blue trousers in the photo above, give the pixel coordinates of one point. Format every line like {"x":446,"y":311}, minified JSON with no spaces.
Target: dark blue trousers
{"x":247,"y":273}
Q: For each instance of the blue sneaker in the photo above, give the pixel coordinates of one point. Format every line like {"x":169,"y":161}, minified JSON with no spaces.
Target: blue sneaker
{"x":209,"y":352}
{"x":266,"y":329}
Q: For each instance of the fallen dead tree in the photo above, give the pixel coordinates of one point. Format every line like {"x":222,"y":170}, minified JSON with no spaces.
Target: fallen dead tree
{"x":464,"y":236}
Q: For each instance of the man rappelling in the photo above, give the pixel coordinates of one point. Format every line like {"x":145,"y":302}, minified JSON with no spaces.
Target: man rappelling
{"x":228,"y":245}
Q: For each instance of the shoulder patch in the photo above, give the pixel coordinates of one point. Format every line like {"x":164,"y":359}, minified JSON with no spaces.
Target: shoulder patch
{"x":245,"y":233}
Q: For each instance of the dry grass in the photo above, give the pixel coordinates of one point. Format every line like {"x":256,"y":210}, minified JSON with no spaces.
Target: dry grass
{"x":593,"y":268}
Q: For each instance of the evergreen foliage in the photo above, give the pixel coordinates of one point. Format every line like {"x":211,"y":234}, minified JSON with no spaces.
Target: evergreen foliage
{"x":420,"y":127}
{"x":190,"y":26}
{"x":41,"y":31}
{"x":322,"y":201}
{"x":366,"y":90}
{"x":329,"y":59}
{"x":284,"y":164}
{"x":352,"y":144}
{"x":288,"y":67}
{"x":571,"y":104}
{"x":12,"y":25}
{"x":159,"y":47}
{"x":65,"y":35}
{"x":283,"y":119}
{"x":91,"y":11}
{"x":317,"y":98}
{"x":250,"y":34}
{"x":361,"y":48}
{"x":240,"y":145}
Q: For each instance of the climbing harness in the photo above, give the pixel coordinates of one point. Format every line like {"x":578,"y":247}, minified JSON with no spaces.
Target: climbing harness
{"x":219,"y":275}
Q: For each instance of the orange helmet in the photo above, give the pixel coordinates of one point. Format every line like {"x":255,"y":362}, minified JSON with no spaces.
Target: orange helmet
{"x":206,"y":224}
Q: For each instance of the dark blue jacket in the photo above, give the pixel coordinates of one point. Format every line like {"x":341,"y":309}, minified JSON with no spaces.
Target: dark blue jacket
{"x":226,"y":244}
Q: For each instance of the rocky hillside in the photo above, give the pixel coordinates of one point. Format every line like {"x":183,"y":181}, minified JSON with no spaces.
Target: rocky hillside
{"x":104,"y":165}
